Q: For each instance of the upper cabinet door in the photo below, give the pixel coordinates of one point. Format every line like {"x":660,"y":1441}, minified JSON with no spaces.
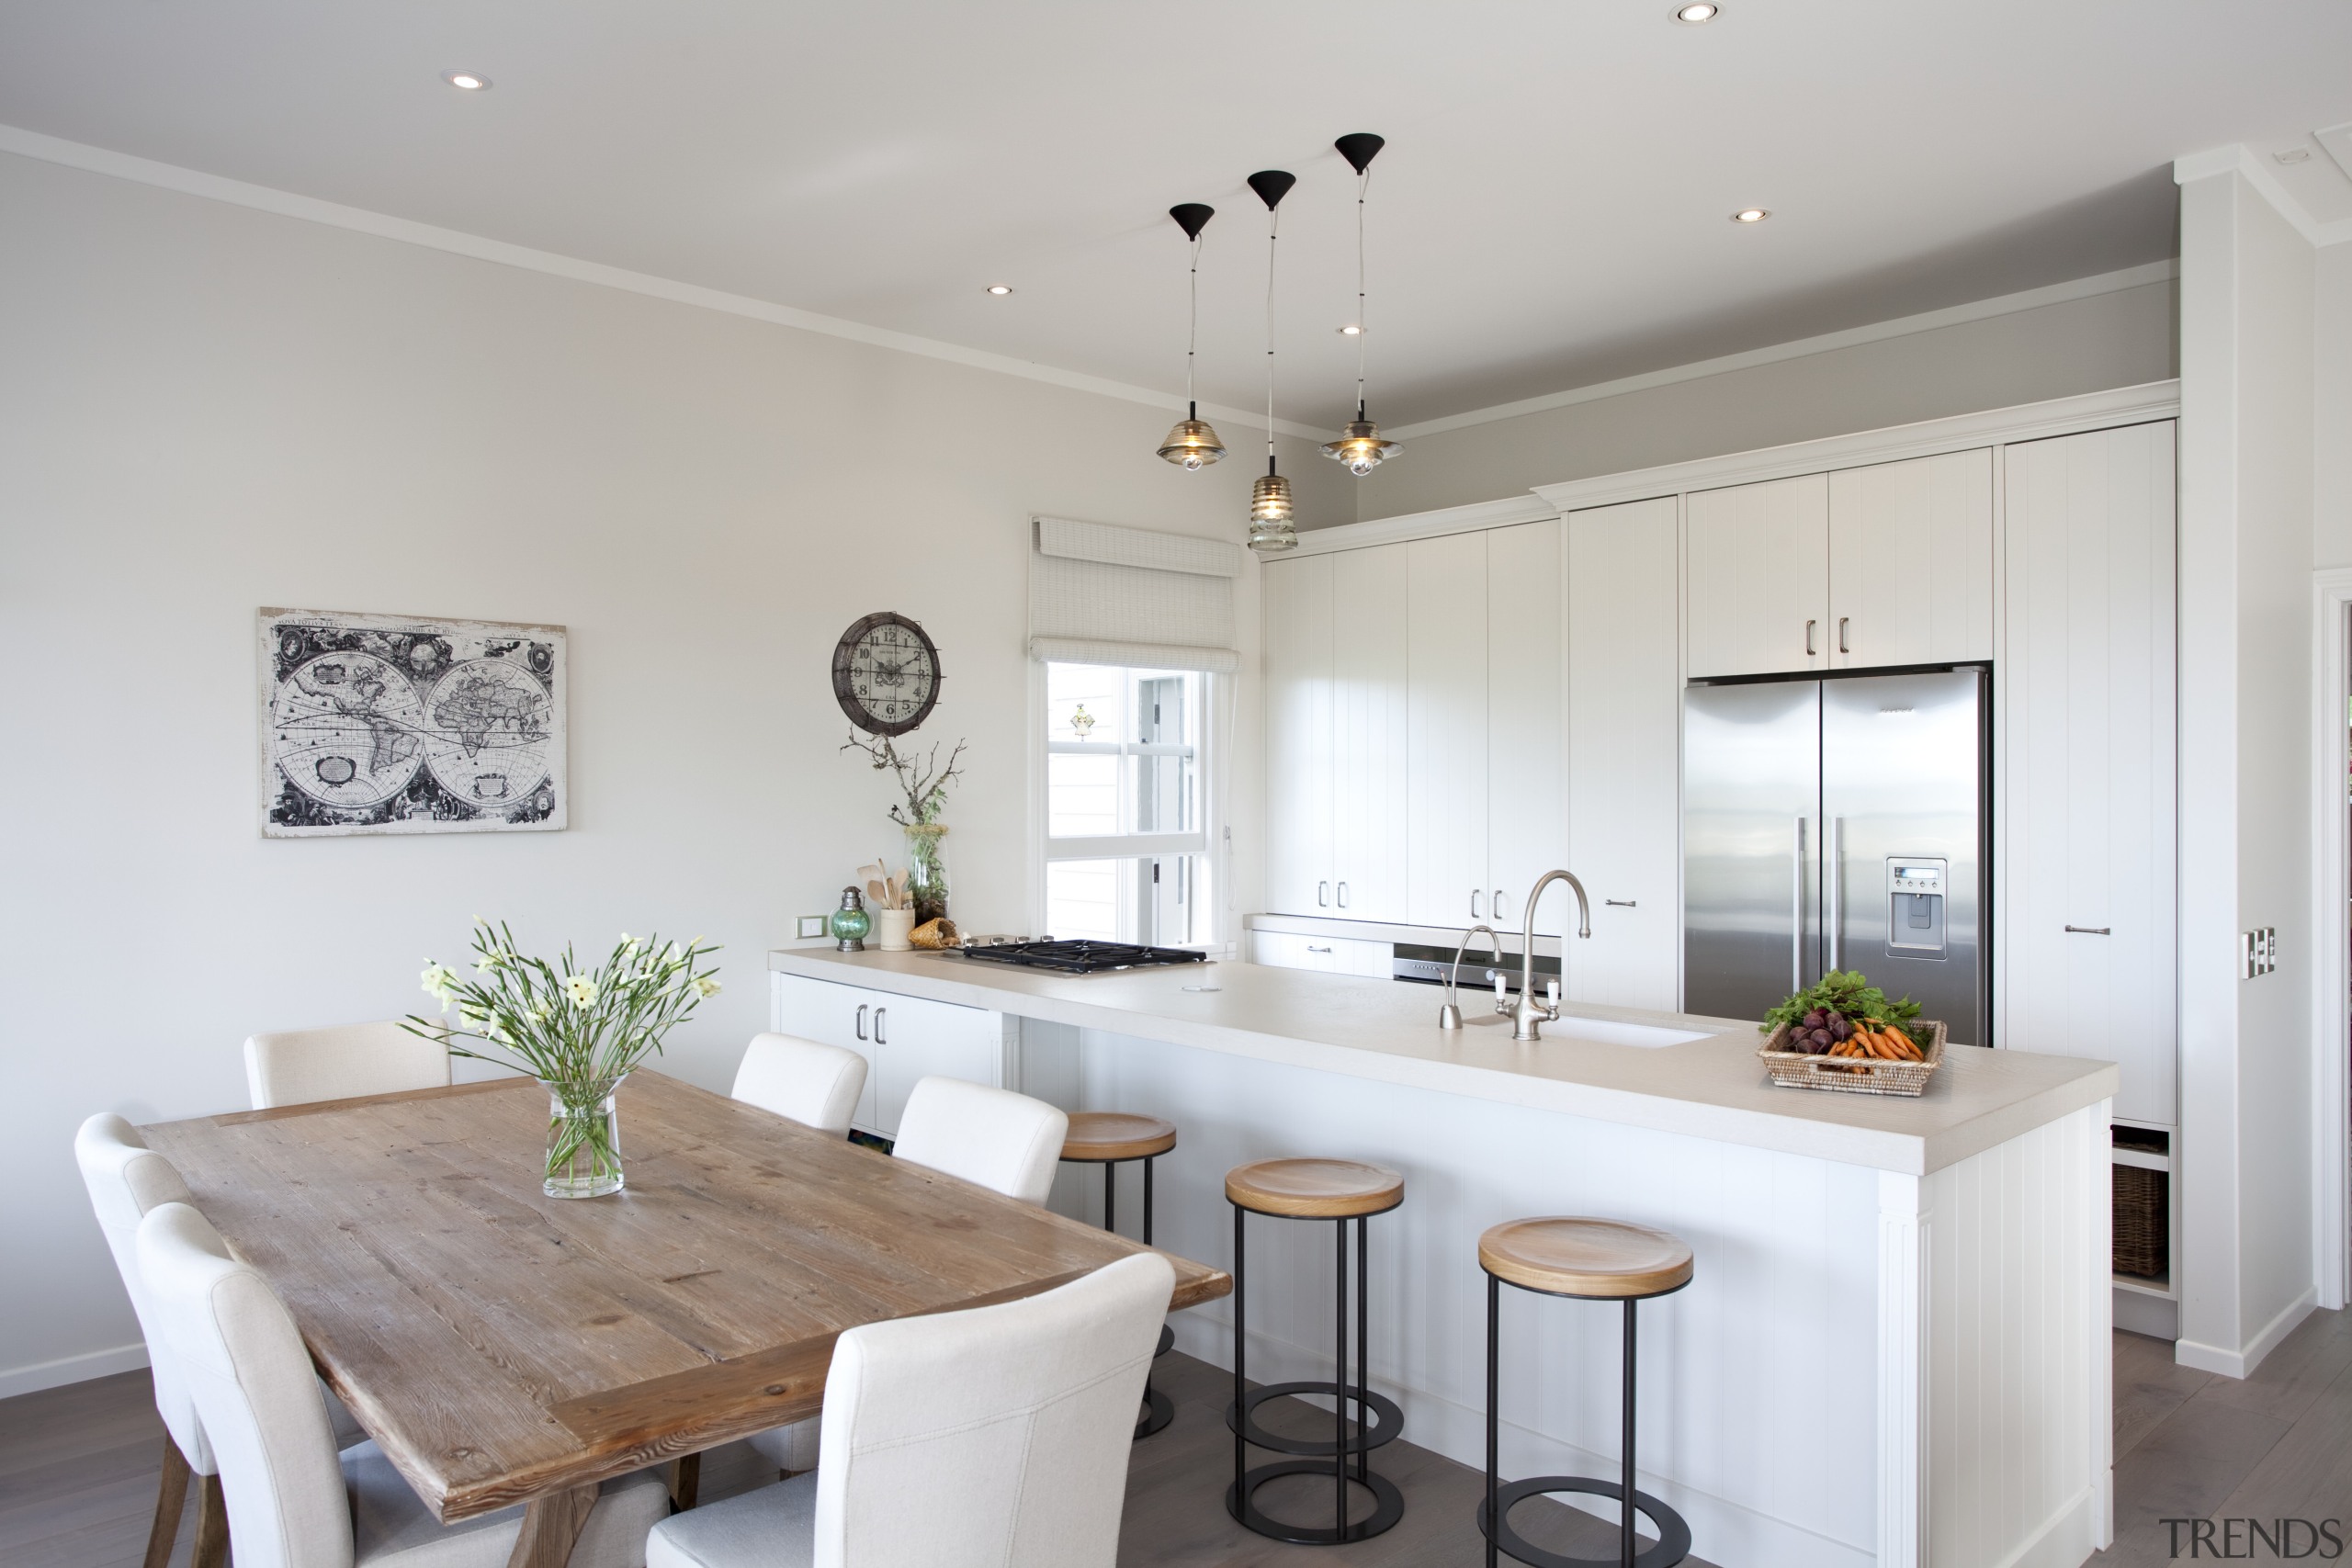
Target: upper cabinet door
{"x":1448,"y":766}
{"x":2086,"y":821}
{"x":1298,"y":595}
{"x":1758,"y":599}
{"x":1911,"y":561}
{"x":1526,"y":811}
{"x":1369,"y":666}
{"x":1624,"y":756}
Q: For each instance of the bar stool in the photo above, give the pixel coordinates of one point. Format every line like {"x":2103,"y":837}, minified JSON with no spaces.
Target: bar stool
{"x":1338,"y":1190}
{"x":1110,"y":1139}
{"x":1590,"y":1261}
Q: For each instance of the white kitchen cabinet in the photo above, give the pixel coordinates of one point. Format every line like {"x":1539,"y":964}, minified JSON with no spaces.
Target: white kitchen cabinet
{"x":2085,"y":827}
{"x":903,"y":1040}
{"x":1368,"y":808}
{"x":1526,"y":815}
{"x":1331,"y":954}
{"x":1299,"y":735}
{"x":1911,"y":561}
{"x":1758,"y":597}
{"x":1624,"y":741}
{"x":1446,"y":766}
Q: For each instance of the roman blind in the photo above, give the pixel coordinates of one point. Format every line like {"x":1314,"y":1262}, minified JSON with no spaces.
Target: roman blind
{"x":1099,"y":594}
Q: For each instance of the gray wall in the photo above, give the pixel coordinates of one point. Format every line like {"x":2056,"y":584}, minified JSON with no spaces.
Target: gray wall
{"x":2119,"y":339}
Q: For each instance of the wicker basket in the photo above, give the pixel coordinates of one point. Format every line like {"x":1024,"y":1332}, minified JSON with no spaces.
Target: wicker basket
{"x":1855,"y":1075}
{"x":2142,"y":1227}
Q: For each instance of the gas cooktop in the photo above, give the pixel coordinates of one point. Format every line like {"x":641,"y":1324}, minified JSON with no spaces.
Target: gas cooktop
{"x":1083,"y":957}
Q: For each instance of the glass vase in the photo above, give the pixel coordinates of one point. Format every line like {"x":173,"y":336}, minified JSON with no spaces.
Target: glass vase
{"x":583,"y":1140}
{"x":926,"y":875}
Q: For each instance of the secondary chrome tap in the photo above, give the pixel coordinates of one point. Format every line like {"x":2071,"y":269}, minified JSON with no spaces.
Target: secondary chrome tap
{"x":1527,"y":1018}
{"x":1450,"y":1015}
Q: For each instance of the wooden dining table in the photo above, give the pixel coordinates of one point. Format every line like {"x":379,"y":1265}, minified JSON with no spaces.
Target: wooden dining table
{"x":502,"y":1347}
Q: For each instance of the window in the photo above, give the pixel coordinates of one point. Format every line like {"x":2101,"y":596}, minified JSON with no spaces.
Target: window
{"x":1127,"y":841}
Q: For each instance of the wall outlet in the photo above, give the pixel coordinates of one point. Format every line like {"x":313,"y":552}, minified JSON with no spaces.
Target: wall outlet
{"x":2257,"y":953}
{"x":812,"y":925}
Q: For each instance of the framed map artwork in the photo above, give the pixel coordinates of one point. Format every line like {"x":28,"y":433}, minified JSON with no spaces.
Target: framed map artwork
{"x":401,"y":723}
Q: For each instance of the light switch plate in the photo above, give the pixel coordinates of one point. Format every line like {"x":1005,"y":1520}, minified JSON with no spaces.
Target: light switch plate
{"x":2257,"y":953}
{"x":812,"y":925}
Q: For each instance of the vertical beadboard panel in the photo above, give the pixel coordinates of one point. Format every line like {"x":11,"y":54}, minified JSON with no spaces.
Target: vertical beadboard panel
{"x":1759,"y":570}
{"x":1446,"y":587}
{"x":1368,"y":670}
{"x":1906,"y":1368}
{"x":1527,"y":816}
{"x":1625,"y":740}
{"x":2017,"y":1448}
{"x":1297,"y":608}
{"x":1911,"y":560}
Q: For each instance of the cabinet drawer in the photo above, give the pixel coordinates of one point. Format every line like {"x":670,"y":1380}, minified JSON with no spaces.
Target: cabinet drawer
{"x":1337,"y":956}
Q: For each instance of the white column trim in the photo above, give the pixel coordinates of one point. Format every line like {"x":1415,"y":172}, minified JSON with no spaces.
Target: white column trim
{"x":1903,"y":1341}
{"x":2331,"y":929}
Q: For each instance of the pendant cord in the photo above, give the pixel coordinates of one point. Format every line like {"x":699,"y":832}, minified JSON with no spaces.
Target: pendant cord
{"x":1193,"y":335}
{"x":1274,"y":228}
{"x":1364,"y":183}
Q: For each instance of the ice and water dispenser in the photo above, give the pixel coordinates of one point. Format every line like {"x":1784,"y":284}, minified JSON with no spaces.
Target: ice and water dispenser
{"x":1918,"y":889}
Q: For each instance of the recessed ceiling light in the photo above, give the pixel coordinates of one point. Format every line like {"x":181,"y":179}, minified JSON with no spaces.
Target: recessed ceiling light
{"x":1750,"y":215}
{"x":2294,"y":155}
{"x":465,"y":79}
{"x":1694,"y":15}
{"x":1000,"y":288}
{"x":1351,"y":330}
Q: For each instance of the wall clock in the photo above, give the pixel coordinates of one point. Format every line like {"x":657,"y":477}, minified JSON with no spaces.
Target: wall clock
{"x":885,"y":673}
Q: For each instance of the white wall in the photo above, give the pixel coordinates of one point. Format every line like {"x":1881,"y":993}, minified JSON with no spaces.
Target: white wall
{"x":209,"y":408}
{"x":2247,"y":411}
{"x":2332,"y":421}
{"x":2123,"y":338}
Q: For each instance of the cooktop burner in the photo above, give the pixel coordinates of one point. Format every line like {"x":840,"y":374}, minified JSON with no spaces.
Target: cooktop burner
{"x":1083,"y":957}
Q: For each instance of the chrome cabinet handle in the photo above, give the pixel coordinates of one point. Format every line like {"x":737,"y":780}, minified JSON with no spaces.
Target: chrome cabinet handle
{"x":1620,"y":903}
{"x":1797,"y":910}
{"x":1808,"y":638}
{"x":1312,"y":948}
{"x":1322,"y":895}
{"x":1473,"y":906}
{"x":1836,"y":891}
{"x":861,"y":1019}
{"x":1841,"y":634}
{"x":1343,"y":894}
{"x":1498,"y":903}
{"x":879,"y":1014}
{"x":2091,"y":931}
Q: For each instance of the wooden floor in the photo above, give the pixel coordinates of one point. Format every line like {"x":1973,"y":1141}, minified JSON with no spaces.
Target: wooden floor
{"x":78,"y":1466}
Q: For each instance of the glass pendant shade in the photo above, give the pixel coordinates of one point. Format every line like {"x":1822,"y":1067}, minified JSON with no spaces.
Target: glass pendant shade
{"x":1361,"y":447}
{"x":1191,"y":444}
{"x":1270,"y":527}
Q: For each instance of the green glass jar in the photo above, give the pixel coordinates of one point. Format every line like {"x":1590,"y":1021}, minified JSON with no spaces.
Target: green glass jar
{"x":850,"y":924}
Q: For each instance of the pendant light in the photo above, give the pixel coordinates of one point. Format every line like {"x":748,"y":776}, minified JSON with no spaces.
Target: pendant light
{"x":1270,"y":512}
{"x":1361,"y":445}
{"x":1191,"y":446}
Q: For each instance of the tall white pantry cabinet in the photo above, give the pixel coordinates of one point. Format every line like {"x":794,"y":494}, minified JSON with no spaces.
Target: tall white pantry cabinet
{"x":1451,"y":714}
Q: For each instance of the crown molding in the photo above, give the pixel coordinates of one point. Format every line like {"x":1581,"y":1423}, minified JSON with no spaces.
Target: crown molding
{"x":313,"y":209}
{"x":1797,"y":348}
{"x":1476,"y":517}
{"x":2239,"y":159}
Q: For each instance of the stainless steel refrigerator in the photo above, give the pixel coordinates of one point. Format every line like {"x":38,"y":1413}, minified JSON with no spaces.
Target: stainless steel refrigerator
{"x":1838,"y":823}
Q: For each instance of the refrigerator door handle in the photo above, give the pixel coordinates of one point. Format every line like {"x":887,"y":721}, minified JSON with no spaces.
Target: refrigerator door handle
{"x":1836,"y":892}
{"x":1797,"y":910}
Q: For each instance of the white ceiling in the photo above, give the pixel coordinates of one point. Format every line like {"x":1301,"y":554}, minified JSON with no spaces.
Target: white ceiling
{"x":1552,"y":209}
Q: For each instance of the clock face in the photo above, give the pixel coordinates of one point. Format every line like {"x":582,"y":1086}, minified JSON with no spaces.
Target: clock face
{"x":886,"y":675}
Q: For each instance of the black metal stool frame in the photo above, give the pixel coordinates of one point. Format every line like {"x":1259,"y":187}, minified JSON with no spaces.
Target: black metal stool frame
{"x":1388,"y":1504}
{"x":1159,"y":1409}
{"x":1673,"y":1543}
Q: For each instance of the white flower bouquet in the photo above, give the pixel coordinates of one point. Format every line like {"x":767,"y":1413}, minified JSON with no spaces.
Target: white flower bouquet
{"x":579,"y":1031}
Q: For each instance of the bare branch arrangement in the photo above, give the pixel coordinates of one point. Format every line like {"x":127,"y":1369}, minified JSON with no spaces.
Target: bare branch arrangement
{"x":923,"y":781}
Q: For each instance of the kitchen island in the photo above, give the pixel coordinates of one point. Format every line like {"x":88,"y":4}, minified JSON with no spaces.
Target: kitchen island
{"x":1895,"y":1351}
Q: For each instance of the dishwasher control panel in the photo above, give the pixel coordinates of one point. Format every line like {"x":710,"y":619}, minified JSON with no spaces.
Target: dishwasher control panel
{"x":1917,"y":889}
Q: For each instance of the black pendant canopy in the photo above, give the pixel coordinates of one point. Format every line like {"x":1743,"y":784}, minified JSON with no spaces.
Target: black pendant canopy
{"x":1359,"y":147}
{"x":1192,"y":216}
{"x":1271,"y":186}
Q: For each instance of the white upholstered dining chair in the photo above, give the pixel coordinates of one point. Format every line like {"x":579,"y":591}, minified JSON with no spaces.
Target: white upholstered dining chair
{"x":814,"y":1085}
{"x":994,"y":1438}
{"x":297,"y":1066}
{"x":293,"y":1502}
{"x":127,"y":1179}
{"x":991,"y":1137}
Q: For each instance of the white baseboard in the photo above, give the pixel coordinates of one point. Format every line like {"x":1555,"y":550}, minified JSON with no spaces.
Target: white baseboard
{"x":72,"y":1369}
{"x":2066,"y":1540}
{"x":2240,"y":1363}
{"x":1721,"y":1530}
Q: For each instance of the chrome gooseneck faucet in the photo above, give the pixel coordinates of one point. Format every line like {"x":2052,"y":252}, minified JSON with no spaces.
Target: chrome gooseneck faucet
{"x":1527,"y":1018}
{"x":1450,"y":1015}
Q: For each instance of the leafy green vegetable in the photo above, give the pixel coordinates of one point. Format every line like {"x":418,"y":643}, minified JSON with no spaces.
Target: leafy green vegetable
{"x":1847,"y":992}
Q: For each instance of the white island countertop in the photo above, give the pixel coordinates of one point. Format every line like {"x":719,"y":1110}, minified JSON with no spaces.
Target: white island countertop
{"x":1707,"y":1084}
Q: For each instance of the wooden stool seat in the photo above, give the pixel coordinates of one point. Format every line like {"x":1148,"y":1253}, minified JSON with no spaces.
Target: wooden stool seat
{"x":1602,"y":1258}
{"x":1098,"y":1136}
{"x":1313,"y":1188}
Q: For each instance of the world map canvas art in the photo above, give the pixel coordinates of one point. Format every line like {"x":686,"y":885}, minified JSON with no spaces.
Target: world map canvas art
{"x":404,"y":724}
